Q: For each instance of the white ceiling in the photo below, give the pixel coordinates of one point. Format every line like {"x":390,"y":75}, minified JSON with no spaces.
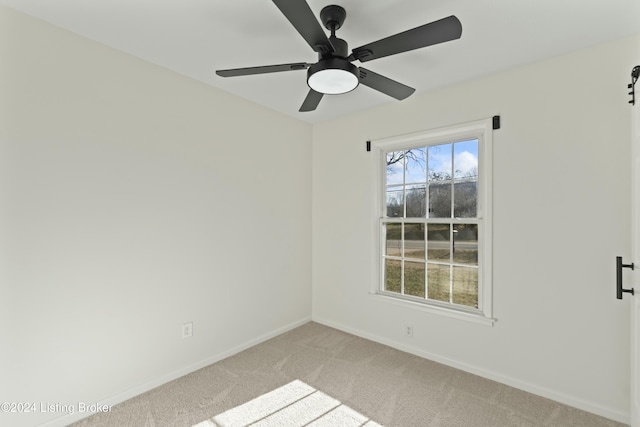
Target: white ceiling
{"x":196,"y":37}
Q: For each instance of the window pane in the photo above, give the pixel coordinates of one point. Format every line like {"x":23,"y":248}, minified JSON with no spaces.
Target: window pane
{"x":440,"y":162}
{"x":392,"y":275}
{"x":395,"y":202}
{"x":416,"y":202}
{"x":438,"y":277}
{"x":414,"y":241}
{"x":465,"y":166}
{"x":414,"y":279}
{"x":440,"y":199}
{"x":465,"y":159}
{"x":465,"y":198}
{"x":393,"y":239}
{"x":416,"y":165}
{"x":438,"y":243}
{"x":465,"y":243}
{"x":395,"y":168}
{"x":465,"y":286}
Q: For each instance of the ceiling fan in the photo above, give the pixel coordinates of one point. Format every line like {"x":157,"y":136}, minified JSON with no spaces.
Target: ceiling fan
{"x":334,"y":72}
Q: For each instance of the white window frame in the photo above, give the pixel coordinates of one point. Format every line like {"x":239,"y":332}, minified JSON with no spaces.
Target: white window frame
{"x":481,"y":130}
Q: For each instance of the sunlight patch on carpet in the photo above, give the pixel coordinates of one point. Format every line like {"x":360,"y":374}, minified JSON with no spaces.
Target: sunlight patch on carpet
{"x":293,"y":404}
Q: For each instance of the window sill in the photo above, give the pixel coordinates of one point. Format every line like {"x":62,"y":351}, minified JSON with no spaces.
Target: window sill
{"x":478,"y":318}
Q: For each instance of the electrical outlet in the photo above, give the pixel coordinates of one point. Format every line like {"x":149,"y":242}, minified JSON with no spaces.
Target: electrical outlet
{"x":187,"y":330}
{"x":408,"y":330}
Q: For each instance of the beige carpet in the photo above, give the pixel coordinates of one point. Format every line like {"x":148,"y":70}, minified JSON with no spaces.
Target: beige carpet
{"x":318,"y":376}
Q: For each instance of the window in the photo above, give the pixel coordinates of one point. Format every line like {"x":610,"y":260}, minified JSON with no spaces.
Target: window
{"x":434,"y":214}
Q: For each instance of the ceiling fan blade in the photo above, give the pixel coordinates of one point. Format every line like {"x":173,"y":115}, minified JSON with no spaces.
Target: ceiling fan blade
{"x":441,"y":31}
{"x":301,"y":16}
{"x":311,"y":101}
{"x":262,"y":70}
{"x":384,"y":84}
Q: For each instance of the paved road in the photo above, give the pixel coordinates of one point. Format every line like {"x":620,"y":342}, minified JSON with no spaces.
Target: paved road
{"x":433,"y":244}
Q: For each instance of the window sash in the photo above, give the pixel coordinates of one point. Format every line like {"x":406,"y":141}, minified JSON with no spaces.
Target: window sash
{"x":450,"y":179}
{"x":451,"y":263}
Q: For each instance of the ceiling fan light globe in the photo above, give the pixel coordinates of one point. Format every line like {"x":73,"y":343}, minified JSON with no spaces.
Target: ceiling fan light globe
{"x":333,"y":77}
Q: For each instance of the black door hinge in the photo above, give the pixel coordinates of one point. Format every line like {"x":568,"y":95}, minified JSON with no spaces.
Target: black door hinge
{"x":634,"y":78}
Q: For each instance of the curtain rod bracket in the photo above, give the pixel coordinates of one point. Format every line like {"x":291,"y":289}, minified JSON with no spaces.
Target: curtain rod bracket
{"x":496,"y":122}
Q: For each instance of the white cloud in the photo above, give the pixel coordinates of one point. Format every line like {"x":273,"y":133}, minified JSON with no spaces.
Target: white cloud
{"x":394,"y":173}
{"x":465,"y":162}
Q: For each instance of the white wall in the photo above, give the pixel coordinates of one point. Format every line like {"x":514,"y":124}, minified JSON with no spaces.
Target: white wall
{"x":132,"y":200}
{"x":561,"y":213}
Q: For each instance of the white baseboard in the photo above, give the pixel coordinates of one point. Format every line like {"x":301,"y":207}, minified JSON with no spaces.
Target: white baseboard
{"x":150,"y":385}
{"x":576,"y":402}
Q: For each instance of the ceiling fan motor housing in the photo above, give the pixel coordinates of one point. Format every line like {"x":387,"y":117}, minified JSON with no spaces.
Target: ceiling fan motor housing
{"x":341,"y":49}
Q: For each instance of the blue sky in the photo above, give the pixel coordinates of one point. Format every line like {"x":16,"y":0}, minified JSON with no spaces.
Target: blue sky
{"x":462,"y":158}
